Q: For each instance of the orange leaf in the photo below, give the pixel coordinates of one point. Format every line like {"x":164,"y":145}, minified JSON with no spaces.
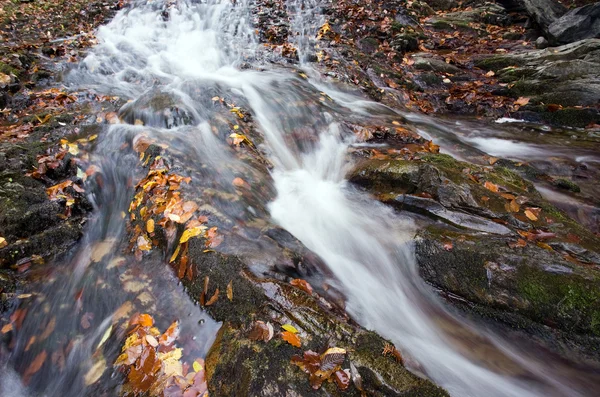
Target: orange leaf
{"x":492,"y":160}
{"x":514,"y":206}
{"x":145,"y":320}
{"x":522,"y":101}
{"x":35,"y":365}
{"x":530,"y":215}
{"x":213,"y":298}
{"x":291,"y":338}
{"x":491,"y":186}
{"x":302,"y":284}
{"x":239,"y":182}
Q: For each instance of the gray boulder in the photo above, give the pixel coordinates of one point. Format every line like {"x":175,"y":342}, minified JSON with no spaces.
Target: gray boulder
{"x":578,"y":24}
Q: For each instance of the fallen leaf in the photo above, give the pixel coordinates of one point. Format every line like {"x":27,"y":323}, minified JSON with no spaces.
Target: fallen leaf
{"x":95,"y":372}
{"x":302,"y":284}
{"x":150,"y":225}
{"x":261,"y":331}
{"x":239,"y":182}
{"x":290,"y":328}
{"x":291,"y":338}
{"x":491,"y":186}
{"x":530,"y":215}
{"x":522,"y":101}
{"x":342,"y":379}
{"x":197,"y":366}
{"x":213,"y":298}
{"x":493,"y":160}
{"x":3,"y":242}
{"x":230,"y":291}
{"x":193,"y":232}
{"x":514,"y":206}
{"x":35,"y":365}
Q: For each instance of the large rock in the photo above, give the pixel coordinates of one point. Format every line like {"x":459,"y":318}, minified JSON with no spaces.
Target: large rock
{"x":544,"y":12}
{"x":577,"y":24}
{"x":525,"y":266}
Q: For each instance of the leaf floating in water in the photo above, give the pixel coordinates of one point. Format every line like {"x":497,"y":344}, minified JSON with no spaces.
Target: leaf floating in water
{"x":35,"y":365}
{"x":303,"y":285}
{"x":170,"y":335}
{"x":291,"y":338}
{"x":95,"y":372}
{"x":143,"y":243}
{"x":105,"y":337}
{"x":239,"y":182}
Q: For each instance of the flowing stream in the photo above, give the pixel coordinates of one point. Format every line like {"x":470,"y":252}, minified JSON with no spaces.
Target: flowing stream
{"x":194,"y":50}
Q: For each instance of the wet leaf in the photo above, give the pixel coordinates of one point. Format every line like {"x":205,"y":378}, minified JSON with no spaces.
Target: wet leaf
{"x":341,"y":379}
{"x":35,"y":365}
{"x":544,"y":246}
{"x":230,"y":291}
{"x":261,"y":331}
{"x":170,"y":335}
{"x":291,"y":338}
{"x":144,"y":243}
{"x":491,"y":186}
{"x":303,"y":285}
{"x":95,"y":372}
{"x":193,"y":232}
{"x":151,"y":340}
{"x":514,"y":206}
{"x":150,"y":225}
{"x":197,"y":366}
{"x":289,"y":328}
{"x":213,"y":298}
{"x":86,"y":320}
{"x":492,"y":160}
{"x":530,"y":215}
{"x":522,"y":101}
{"x":3,"y":242}
{"x":105,"y":337}
{"x":144,"y":320}
{"x":448,"y":246}
{"x":239,"y":182}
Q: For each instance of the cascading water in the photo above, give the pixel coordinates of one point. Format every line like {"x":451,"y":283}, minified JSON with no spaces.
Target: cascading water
{"x":192,"y":50}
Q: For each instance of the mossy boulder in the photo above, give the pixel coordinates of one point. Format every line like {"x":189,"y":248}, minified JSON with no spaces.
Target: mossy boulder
{"x":534,"y":269}
{"x":264,"y":368}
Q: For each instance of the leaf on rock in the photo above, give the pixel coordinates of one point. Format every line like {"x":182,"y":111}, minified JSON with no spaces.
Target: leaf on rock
{"x":289,"y":328}
{"x":213,"y":298}
{"x":95,"y":372}
{"x":303,"y":285}
{"x":261,"y":331}
{"x":291,"y":338}
{"x":491,"y":186}
{"x":522,"y":101}
{"x":230,"y":291}
{"x":530,"y":215}
{"x":193,"y":232}
{"x":341,"y":379}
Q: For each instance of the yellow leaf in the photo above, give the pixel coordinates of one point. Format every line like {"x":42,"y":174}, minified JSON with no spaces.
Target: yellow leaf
{"x":290,"y":328}
{"x":197,"y":367}
{"x":150,"y":225}
{"x":230,"y":291}
{"x":193,"y":232}
{"x":514,"y":206}
{"x":530,"y":215}
{"x":104,"y":337}
{"x":491,"y":186}
{"x":174,"y":256}
{"x":95,"y":372}
{"x":3,"y":242}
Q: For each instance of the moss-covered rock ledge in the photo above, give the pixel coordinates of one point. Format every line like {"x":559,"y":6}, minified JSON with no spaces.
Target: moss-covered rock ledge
{"x":238,"y":365}
{"x":490,"y":238}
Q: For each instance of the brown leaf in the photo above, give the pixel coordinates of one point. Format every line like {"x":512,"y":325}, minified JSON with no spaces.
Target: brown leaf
{"x":341,"y":379}
{"x":530,"y":215}
{"x":303,"y":285}
{"x":291,"y":338}
{"x":544,"y":246}
{"x":514,"y":206}
{"x":261,"y":331}
{"x":448,"y":246}
{"x":230,"y":291}
{"x":213,"y":298}
{"x":492,"y":160}
{"x":522,"y":101}
{"x":491,"y":186}
{"x":35,"y":365}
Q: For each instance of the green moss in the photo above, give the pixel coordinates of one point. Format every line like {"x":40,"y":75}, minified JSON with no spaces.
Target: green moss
{"x":497,"y":62}
{"x":566,"y":184}
{"x":7,"y":69}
